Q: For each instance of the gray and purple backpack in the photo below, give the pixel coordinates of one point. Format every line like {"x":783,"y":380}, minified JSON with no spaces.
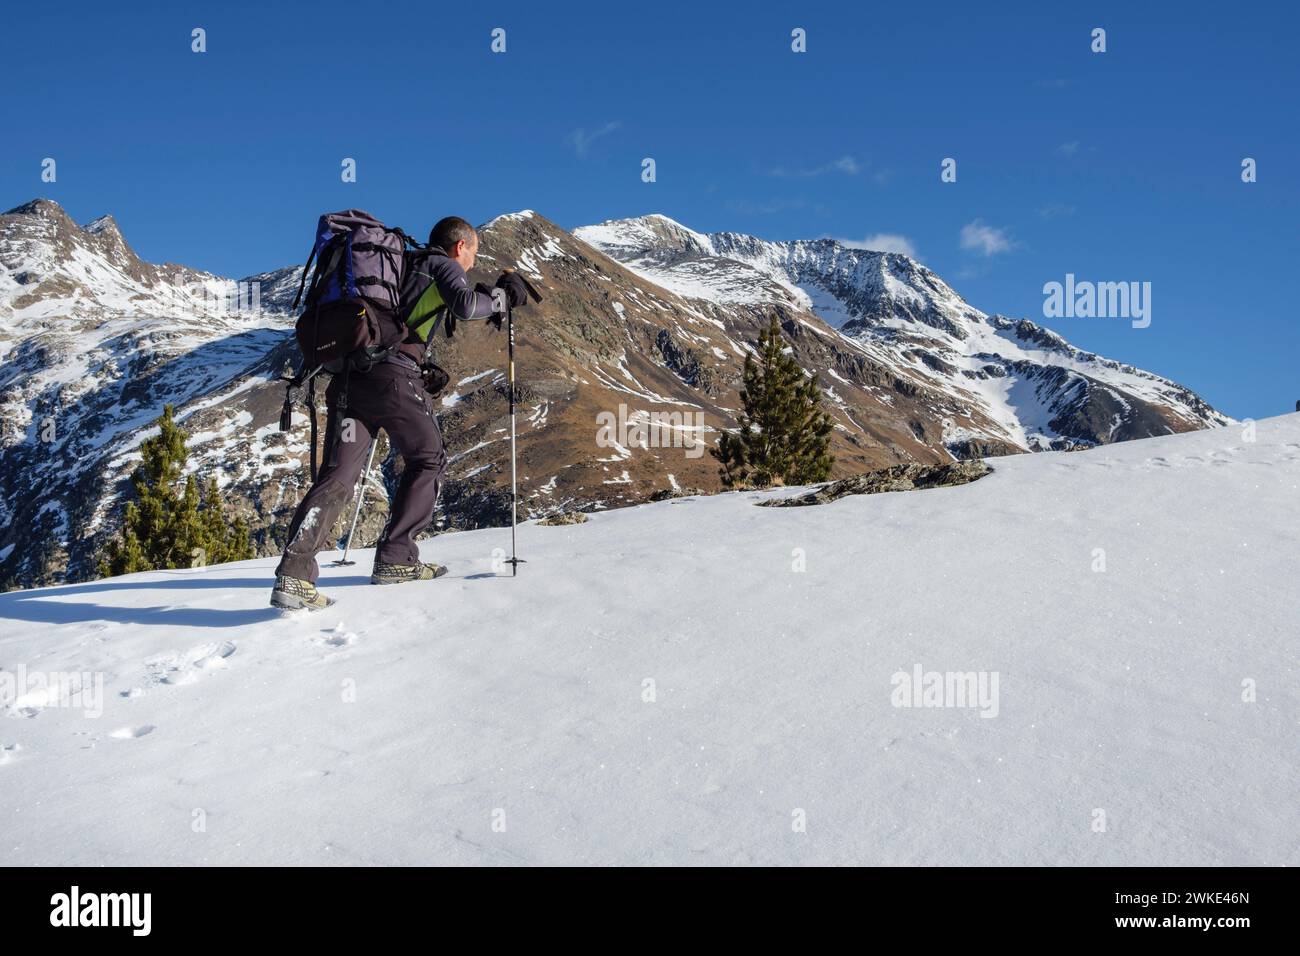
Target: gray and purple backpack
{"x":351,"y":316}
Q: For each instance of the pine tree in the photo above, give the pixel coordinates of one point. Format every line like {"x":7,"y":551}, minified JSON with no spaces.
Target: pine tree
{"x":784,"y":433}
{"x":164,"y":529}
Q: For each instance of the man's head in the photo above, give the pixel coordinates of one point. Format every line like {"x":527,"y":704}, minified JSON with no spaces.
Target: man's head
{"x":457,"y":238}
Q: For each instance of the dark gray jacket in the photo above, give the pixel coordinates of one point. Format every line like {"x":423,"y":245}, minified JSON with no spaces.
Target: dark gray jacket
{"x":462,"y":302}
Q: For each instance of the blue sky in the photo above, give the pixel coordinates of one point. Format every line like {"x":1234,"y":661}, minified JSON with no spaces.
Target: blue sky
{"x":1119,"y":166}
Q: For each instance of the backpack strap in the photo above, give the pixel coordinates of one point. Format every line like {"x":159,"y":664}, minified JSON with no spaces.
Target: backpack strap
{"x":311,"y":414}
{"x":397,"y":231}
{"x":302,"y":284}
{"x":308,"y":377}
{"x":322,"y":269}
{"x":341,"y":415}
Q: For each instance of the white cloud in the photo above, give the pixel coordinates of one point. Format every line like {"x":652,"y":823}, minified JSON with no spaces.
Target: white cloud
{"x":883,"y":242}
{"x":978,"y":236}
{"x":1068,"y":149}
{"x":581,"y":139}
{"x":1054,"y":209}
{"x":845,"y":164}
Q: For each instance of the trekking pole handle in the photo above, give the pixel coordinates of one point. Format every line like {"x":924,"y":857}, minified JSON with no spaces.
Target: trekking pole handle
{"x":532,"y":293}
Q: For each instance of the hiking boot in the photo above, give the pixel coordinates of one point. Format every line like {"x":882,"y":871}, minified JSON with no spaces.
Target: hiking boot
{"x":294,"y":593}
{"x":401,"y":573}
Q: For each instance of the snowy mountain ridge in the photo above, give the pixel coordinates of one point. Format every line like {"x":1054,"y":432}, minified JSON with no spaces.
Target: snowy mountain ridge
{"x":1037,"y":388}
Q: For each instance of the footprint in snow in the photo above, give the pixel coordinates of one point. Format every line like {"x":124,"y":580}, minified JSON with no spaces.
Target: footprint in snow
{"x":8,"y":752}
{"x":131,"y":733}
{"x":338,"y":636}
{"x":186,"y":666}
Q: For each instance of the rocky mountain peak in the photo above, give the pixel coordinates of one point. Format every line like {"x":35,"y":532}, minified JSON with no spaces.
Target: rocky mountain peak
{"x":105,"y":236}
{"x":102,"y":225}
{"x":44,"y":208}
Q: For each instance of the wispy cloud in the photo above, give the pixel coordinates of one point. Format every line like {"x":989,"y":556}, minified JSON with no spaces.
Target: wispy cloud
{"x":764,"y":207}
{"x":581,"y":139}
{"x":845,"y":165}
{"x":883,"y":242}
{"x":979,"y":237}
{"x":1054,"y":209}
{"x":1068,"y":149}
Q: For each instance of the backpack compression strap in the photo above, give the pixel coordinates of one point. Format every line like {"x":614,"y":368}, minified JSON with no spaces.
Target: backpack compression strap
{"x":302,"y":284}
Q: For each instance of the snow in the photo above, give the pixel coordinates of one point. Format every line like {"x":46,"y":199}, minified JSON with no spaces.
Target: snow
{"x":519,"y":216}
{"x":638,"y":695}
{"x":475,"y":377}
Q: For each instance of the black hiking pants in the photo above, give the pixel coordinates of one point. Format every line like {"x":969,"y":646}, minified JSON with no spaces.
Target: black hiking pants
{"x":390,"y":396}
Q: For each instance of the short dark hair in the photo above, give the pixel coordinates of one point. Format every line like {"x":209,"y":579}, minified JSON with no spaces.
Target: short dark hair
{"x":447,"y":232}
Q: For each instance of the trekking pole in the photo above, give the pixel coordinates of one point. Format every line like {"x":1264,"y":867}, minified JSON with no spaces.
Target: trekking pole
{"x":504,"y":305}
{"x":361,"y":494}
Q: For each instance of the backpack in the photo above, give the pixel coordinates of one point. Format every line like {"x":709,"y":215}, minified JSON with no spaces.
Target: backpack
{"x":349,"y":319}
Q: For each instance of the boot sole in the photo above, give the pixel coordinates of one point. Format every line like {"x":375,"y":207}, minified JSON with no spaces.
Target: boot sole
{"x":292,"y":602}
{"x":375,"y":580}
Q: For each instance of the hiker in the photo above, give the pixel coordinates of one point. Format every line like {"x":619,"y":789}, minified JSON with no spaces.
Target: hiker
{"x":392,"y":395}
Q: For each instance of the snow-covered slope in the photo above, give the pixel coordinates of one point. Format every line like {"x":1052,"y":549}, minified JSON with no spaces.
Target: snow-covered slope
{"x":1036,"y":389}
{"x":640,"y":694}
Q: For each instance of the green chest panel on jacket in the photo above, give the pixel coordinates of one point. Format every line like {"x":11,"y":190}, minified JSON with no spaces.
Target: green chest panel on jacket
{"x":424,"y":315}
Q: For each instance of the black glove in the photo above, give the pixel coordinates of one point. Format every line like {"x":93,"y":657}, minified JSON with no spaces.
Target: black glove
{"x":435,"y":379}
{"x":515,"y":288}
